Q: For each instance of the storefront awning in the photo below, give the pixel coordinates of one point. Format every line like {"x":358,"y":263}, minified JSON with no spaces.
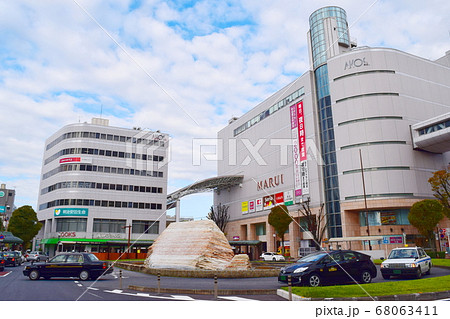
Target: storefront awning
{"x":245,"y":242}
{"x":93,"y":241}
{"x":359,"y":238}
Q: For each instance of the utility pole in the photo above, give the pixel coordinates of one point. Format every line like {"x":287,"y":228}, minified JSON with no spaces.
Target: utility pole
{"x":365,"y":198}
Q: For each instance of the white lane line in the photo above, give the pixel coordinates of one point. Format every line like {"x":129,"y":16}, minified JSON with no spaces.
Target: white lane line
{"x":92,"y":288}
{"x":233,"y":298}
{"x":170,"y":297}
{"x":4,"y":275}
{"x":79,"y":285}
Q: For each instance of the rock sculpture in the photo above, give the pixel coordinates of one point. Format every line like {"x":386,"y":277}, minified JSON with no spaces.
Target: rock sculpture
{"x":191,"y":246}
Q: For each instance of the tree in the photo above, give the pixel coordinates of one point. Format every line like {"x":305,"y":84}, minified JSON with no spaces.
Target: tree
{"x":24,"y":224}
{"x":440,"y":184}
{"x":280,"y":219}
{"x":220,"y":216}
{"x":316,"y":224}
{"x":425,"y":215}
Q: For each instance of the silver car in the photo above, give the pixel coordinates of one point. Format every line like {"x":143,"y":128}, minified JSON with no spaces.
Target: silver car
{"x":37,"y":256}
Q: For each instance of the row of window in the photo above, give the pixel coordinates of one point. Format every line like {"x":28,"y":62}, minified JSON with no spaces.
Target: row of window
{"x":107,"y":225}
{"x":95,"y":151}
{"x":106,"y":186}
{"x":371,"y":169}
{"x":366,"y":95}
{"x":372,"y":143}
{"x":373,"y":118}
{"x":363,"y":72}
{"x":156,"y":139}
{"x":290,"y":98}
{"x":434,"y":128}
{"x":99,"y":203}
{"x":384,"y":217}
{"x":101,"y":169}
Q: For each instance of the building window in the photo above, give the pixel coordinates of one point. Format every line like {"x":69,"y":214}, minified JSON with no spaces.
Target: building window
{"x":385,"y":217}
{"x":71,"y":224}
{"x":145,"y":227}
{"x":109,"y":225}
{"x":260,"y":229}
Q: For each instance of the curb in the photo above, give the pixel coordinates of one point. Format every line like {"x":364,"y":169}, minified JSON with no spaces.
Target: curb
{"x":426,"y":296}
{"x":251,"y":273}
{"x":222,"y":292}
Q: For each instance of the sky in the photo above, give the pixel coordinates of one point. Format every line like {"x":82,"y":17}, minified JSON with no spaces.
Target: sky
{"x":182,"y":67}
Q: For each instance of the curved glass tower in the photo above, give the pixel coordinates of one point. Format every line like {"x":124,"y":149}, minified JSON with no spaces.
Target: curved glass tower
{"x":328,"y":37}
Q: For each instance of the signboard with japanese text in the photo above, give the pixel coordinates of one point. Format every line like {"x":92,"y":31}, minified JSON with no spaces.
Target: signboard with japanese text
{"x":289,"y":198}
{"x":59,"y":212}
{"x":259,"y":204}
{"x":244,"y":208}
{"x":268,"y":201}
{"x":299,"y":150}
{"x":252,"y":206}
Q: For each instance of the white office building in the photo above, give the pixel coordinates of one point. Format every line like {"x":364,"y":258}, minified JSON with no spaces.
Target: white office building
{"x":102,"y":187}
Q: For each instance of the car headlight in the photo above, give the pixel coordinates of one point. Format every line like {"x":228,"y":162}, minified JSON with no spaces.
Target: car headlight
{"x":384,"y":265}
{"x":410,"y":265}
{"x":301,"y":269}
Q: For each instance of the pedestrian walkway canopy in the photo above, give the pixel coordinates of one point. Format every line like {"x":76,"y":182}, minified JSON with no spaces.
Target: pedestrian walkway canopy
{"x":207,"y":185}
{"x":7,"y":237}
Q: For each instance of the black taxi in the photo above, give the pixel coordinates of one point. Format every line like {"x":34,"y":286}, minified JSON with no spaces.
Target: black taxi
{"x":81,"y":265}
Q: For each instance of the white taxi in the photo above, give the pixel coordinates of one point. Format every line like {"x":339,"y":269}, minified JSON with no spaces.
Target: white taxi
{"x":406,"y":261}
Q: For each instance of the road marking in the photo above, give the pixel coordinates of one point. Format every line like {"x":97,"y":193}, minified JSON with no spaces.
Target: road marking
{"x":76,"y":281}
{"x":170,"y":297}
{"x":92,"y":288}
{"x":4,"y":274}
{"x":233,"y":298}
{"x":79,"y":285}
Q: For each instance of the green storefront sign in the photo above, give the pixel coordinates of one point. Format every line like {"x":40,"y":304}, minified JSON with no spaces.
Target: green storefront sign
{"x":71,"y":212}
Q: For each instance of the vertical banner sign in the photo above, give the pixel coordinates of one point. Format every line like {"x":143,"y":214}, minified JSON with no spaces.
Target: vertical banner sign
{"x":296,"y":151}
{"x":244,"y":208}
{"x":259,"y":204}
{"x":251,"y":206}
{"x":303,"y":149}
{"x":289,"y":198}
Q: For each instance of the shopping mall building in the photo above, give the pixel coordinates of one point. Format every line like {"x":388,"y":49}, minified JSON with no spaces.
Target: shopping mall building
{"x":102,"y":187}
{"x":377,"y":114}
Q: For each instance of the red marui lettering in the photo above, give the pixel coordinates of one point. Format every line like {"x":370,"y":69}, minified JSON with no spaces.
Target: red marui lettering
{"x":270,"y":182}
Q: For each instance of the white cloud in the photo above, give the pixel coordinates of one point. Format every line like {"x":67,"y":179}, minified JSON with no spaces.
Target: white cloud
{"x":211,"y":60}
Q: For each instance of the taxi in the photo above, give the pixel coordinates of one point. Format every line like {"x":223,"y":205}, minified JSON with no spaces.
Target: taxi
{"x":81,"y":265}
{"x":406,"y":261}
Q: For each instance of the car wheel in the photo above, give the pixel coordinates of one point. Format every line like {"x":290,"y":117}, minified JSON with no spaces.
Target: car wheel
{"x":386,"y":276}
{"x":313,"y":280}
{"x":419,"y":273}
{"x":84,"y":275}
{"x":366,"y":277}
{"x":34,"y":275}
{"x":38,"y":260}
{"x":274,"y":259}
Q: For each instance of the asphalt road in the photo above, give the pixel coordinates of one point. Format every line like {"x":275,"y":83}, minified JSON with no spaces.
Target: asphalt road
{"x":14,"y":286}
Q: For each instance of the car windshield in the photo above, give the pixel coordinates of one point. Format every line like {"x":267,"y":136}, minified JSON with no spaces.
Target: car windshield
{"x":403,"y":253}
{"x":312,"y":257}
{"x":9,"y":254}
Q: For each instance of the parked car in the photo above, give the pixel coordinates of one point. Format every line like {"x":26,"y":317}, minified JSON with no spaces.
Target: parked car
{"x":329,"y":267}
{"x":271,"y":257}
{"x":37,"y":256}
{"x":81,"y":265}
{"x":12,"y":258}
{"x":2,"y":263}
{"x":21,"y":256}
{"x":406,"y":261}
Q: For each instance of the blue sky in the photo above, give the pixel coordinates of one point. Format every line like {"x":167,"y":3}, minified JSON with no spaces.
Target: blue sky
{"x":183,"y":67}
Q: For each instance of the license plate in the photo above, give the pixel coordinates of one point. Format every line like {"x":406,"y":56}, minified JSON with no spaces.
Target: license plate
{"x":283,"y":277}
{"x":397,"y":272}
